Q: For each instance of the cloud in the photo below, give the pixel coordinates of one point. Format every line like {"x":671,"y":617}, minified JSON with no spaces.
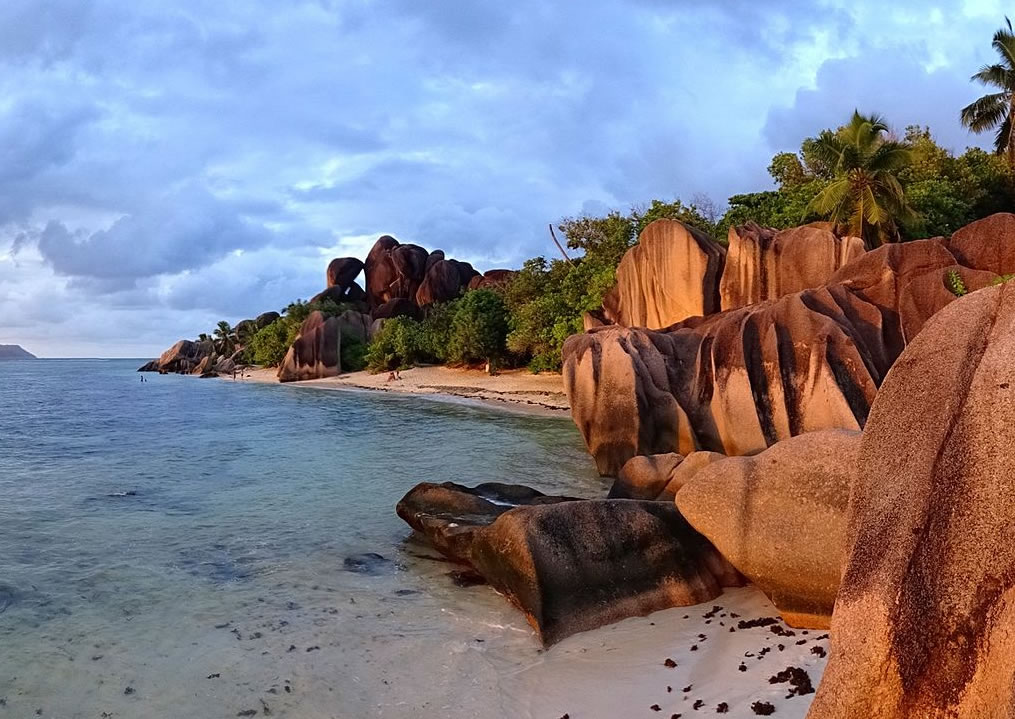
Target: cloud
{"x":187,"y":229}
{"x":164,"y":164}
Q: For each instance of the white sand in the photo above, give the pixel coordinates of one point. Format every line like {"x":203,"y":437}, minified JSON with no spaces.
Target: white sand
{"x":516,"y":389}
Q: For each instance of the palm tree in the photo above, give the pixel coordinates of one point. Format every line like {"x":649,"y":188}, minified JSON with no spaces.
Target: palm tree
{"x":226,"y":338}
{"x":995,"y":110}
{"x":864,"y":198}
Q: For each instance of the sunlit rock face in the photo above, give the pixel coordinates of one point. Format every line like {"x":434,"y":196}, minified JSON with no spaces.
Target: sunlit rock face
{"x":765,"y":264}
{"x":671,"y":274}
{"x":923,"y":623}
{"x":739,"y":381}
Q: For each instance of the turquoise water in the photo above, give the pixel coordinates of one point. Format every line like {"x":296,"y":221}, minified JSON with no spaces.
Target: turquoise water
{"x":202,"y":548}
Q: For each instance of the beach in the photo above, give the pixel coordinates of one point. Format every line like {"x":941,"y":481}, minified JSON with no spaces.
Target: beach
{"x":516,"y":389}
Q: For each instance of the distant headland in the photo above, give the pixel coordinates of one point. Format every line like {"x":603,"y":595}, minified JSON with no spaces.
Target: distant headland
{"x":10,"y":352}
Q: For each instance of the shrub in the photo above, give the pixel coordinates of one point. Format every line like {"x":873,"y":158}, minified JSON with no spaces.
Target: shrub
{"x":353,"y":353}
{"x":955,"y":283}
{"x":396,"y":346}
{"x":435,"y":331}
{"x":479,"y":328}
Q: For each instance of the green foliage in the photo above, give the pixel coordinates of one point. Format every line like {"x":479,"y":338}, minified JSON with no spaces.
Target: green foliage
{"x":225,"y":339}
{"x":353,"y":353}
{"x":435,"y":332}
{"x":396,"y":346}
{"x":955,"y":283}
{"x":992,"y":112}
{"x":479,"y":328}
{"x":1001,"y":279}
{"x":865,"y":197}
{"x":270,"y":344}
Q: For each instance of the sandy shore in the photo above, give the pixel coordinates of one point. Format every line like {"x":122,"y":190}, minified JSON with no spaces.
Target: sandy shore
{"x":513,"y":389}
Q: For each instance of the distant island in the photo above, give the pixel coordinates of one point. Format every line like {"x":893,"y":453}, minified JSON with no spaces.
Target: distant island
{"x":13,"y":352}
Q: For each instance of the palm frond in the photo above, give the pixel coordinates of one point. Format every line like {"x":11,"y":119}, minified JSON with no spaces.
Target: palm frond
{"x":986,"y":113}
{"x":1002,"y":140}
{"x":830,"y":201}
{"x":1004,"y":43}
{"x":889,"y":156}
{"x":997,"y":76}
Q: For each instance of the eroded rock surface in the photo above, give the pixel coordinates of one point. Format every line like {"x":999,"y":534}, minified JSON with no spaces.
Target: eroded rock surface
{"x":923,"y":623}
{"x":779,"y":517}
{"x":575,"y":566}
{"x":671,"y":274}
{"x":764,"y":264}
{"x":449,"y":514}
{"x":316,"y":352}
{"x":739,"y":381}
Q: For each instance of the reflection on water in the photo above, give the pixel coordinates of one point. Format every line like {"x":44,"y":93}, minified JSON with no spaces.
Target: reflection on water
{"x":190,"y":547}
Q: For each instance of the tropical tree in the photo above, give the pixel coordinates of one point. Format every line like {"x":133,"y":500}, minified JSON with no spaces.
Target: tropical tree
{"x":995,"y":109}
{"x":864,"y":197}
{"x":225,"y":338}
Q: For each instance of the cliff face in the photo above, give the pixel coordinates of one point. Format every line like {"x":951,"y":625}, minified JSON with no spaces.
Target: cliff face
{"x":738,"y":381}
{"x":12,"y":352}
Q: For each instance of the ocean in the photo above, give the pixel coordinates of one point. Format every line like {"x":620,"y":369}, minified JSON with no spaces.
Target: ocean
{"x":208,"y":548}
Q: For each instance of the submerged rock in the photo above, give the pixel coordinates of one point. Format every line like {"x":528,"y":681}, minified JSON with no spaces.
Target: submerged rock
{"x":779,"y":517}
{"x":923,"y":621}
{"x":449,"y":514}
{"x":575,"y":566}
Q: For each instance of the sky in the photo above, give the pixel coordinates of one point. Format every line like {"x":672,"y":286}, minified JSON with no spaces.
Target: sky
{"x":165,"y":164}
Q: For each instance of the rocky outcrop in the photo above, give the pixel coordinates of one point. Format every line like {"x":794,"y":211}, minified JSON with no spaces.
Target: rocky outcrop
{"x":443,"y":283}
{"x":399,"y":307}
{"x":659,"y":476}
{"x":355,"y":325}
{"x":492,"y":279}
{"x":987,"y":244}
{"x":671,"y":274}
{"x":13,"y":352}
{"x":449,"y":514}
{"x":574,"y":566}
{"x":739,"y":381}
{"x":568,"y":564}
{"x":266,"y":318}
{"x":316,"y":352}
{"x":343,"y":271}
{"x":764,"y":264}
{"x":183,"y":357}
{"x":779,"y":517}
{"x":923,"y":620}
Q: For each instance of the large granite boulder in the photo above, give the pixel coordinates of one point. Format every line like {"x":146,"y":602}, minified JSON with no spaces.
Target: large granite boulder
{"x":764,"y":264}
{"x":575,"y":566}
{"x":492,"y":279}
{"x":342,"y":295}
{"x":398,"y":307}
{"x":779,"y":517}
{"x":742,"y":380}
{"x":356,"y":325}
{"x":183,"y":357}
{"x":671,"y":274}
{"x":266,"y":318}
{"x":987,"y":244}
{"x":924,"y":623}
{"x":343,"y":271}
{"x":449,"y":514}
{"x":443,"y":283}
{"x":379,"y":271}
{"x":659,"y":476}
{"x":316,"y":352}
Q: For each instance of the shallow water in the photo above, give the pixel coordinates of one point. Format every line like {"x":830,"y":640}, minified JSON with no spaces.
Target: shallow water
{"x":203,"y":548}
